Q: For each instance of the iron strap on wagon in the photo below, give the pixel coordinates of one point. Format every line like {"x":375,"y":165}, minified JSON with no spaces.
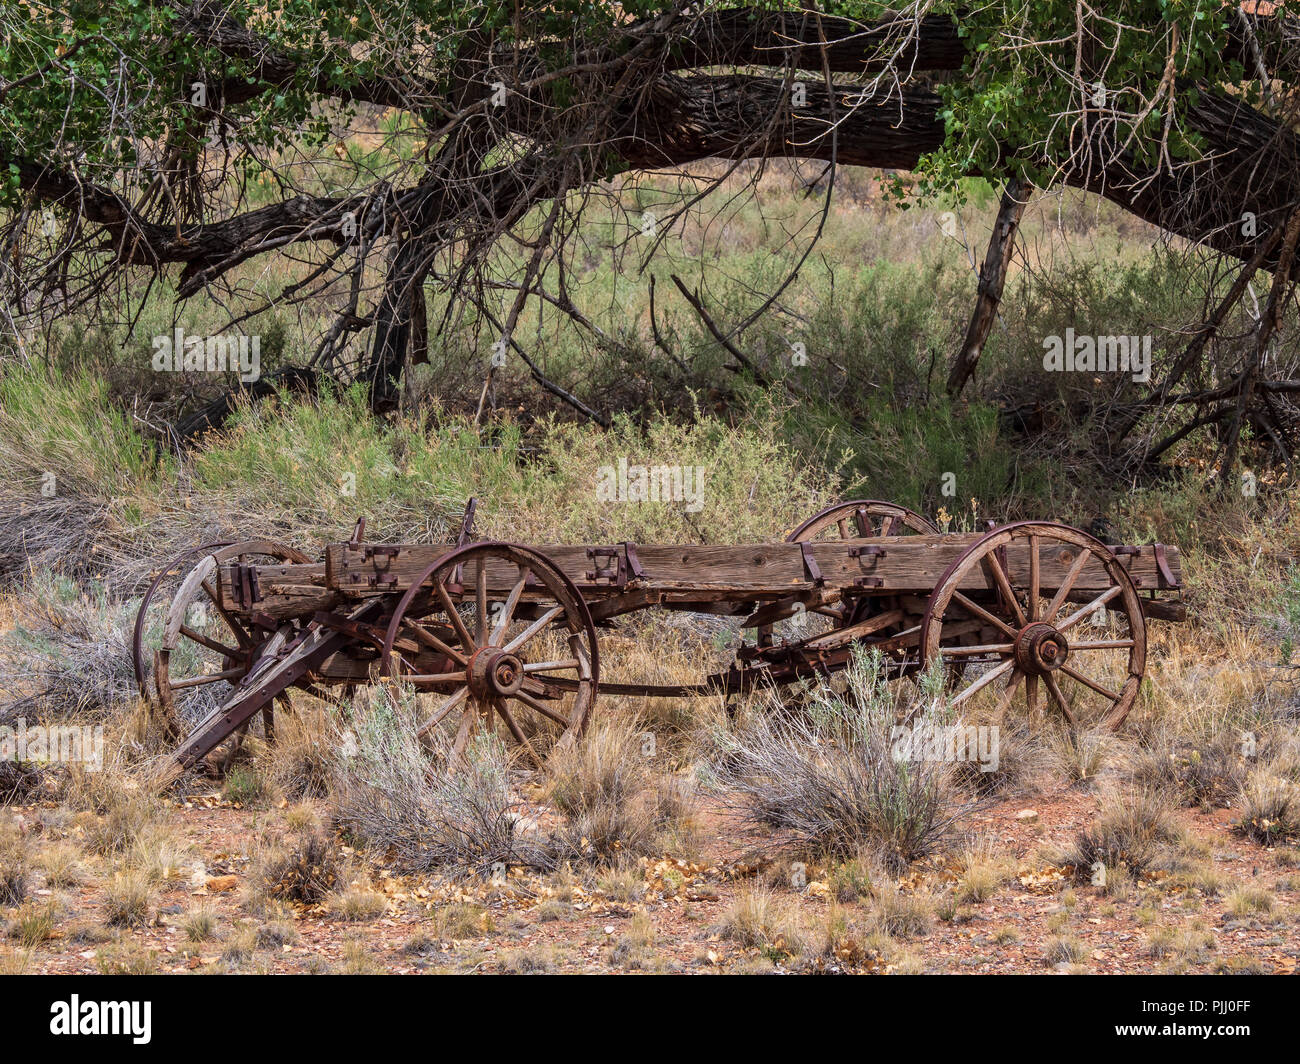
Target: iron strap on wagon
{"x":1037,"y":612}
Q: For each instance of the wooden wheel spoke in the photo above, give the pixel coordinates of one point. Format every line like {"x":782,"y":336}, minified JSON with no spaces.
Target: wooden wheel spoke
{"x":887,"y":525}
{"x":441,"y":712}
{"x":552,"y":666}
{"x":1085,"y":611}
{"x":1033,"y":578}
{"x":1054,"y":689}
{"x":527,"y":634}
{"x":980,"y":612}
{"x":1009,"y":692}
{"x":468,"y":724}
{"x":1102,"y":644}
{"x":515,"y":730}
{"x":1031,"y":696}
{"x":1087,"y":681}
{"x":1004,"y":588}
{"x":211,"y":644}
{"x":480,"y":601}
{"x":508,"y":610}
{"x":438,"y":679}
{"x":453,"y":615}
{"x":432,"y":641}
{"x":982,"y":682}
{"x":537,"y":705}
{"x":1067,"y":585}
{"x":1001,"y":649}
{"x":843,"y":526}
{"x":207,"y":678}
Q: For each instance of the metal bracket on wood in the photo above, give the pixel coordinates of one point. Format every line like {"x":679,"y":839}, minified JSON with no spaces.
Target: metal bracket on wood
{"x":874,"y":552}
{"x":381,"y":558}
{"x":1121,"y":551}
{"x":810,"y":565}
{"x":633,"y":562}
{"x":615,"y":573}
{"x":244,"y":586}
{"x":467,"y":524}
{"x":1167,"y":578}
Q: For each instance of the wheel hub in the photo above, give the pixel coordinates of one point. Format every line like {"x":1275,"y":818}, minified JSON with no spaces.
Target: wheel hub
{"x":494,"y":672}
{"x":1040,"y":649}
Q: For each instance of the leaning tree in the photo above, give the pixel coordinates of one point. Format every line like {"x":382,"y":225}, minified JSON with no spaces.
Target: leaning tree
{"x":177,"y":142}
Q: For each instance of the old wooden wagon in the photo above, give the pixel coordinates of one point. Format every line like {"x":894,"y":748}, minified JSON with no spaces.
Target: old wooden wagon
{"x":501,"y":635}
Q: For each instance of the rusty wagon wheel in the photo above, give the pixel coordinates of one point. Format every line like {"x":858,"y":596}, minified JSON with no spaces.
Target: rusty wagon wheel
{"x":862,"y":519}
{"x":1082,"y":651}
{"x":203,"y":651}
{"x":857,"y":519}
{"x":514,"y":641}
{"x":173,"y":571}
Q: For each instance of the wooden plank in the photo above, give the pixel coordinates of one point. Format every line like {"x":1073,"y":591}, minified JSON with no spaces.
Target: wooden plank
{"x":911,"y":563}
{"x":694,"y":578}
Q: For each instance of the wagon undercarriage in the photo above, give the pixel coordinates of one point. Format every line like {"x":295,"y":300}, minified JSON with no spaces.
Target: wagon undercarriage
{"x":505,"y":635}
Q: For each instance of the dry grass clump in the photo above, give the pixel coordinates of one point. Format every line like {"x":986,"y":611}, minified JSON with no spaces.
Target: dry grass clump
{"x":301,"y":759}
{"x":126,"y":959}
{"x":1079,"y":755}
{"x":529,"y":960}
{"x":1270,"y":807}
{"x":357,"y":903}
{"x":611,"y":797}
{"x":199,"y":925}
{"x":246,"y":786}
{"x":392,"y":796}
{"x":461,"y":920}
{"x":126,"y":900}
{"x":20,"y":781}
{"x":1203,"y":769}
{"x":14,"y":867}
{"x":159,"y":853}
{"x":825,"y":775}
{"x":61,"y":864}
{"x":304,"y":872}
{"x":1248,"y":901}
{"x":984,"y":868}
{"x":118,"y":810}
{"x":1065,"y":949}
{"x":35,"y":922}
{"x":899,"y":913}
{"x":1133,"y":831}
{"x":758,"y":919}
{"x":1020,"y":755}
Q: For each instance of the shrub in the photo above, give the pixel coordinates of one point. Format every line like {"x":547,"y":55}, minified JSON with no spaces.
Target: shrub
{"x":826,"y":776}
{"x":68,"y":653}
{"x":246,"y":786}
{"x":418,"y":812}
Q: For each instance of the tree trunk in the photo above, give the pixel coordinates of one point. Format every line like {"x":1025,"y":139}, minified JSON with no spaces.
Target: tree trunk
{"x":993,"y":276}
